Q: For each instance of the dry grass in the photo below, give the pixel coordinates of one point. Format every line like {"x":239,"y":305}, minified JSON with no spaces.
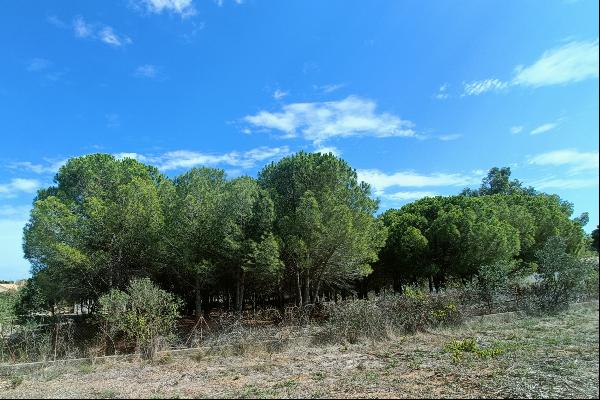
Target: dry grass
{"x":555,"y":356}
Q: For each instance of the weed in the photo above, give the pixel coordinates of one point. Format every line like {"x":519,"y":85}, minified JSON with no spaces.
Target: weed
{"x":469,"y":345}
{"x":16,"y":381}
{"x":86,"y":368}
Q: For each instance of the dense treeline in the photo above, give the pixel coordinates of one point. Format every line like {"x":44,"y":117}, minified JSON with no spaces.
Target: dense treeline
{"x":304,"y":229}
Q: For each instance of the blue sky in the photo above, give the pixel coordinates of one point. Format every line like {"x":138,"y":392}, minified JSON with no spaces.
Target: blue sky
{"x":420,"y":97}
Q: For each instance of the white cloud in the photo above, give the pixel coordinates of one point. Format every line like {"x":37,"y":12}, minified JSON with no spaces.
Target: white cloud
{"x":380,"y":181}
{"x":279,"y":94}
{"x":146,"y":71}
{"x":50,"y":167}
{"x":330,"y":88}
{"x":82,"y":29}
{"x":476,"y":88}
{"x":572,"y":62}
{"x":105,"y":34}
{"x":578,"y":161}
{"x":403,"y":196}
{"x":449,"y":137}
{"x":566,"y":183}
{"x":516,"y":129}
{"x":18,"y":185}
{"x":320,"y":121}
{"x":10,"y":212}
{"x":442,"y":93}
{"x":185,"y":8}
{"x":544,"y":128}
{"x":57,"y":22}
{"x":38,"y":64}
{"x":108,"y":36}
{"x":187,"y":159}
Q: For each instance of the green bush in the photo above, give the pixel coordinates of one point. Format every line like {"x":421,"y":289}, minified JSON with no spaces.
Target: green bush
{"x":144,"y":314}
{"x":562,"y":279}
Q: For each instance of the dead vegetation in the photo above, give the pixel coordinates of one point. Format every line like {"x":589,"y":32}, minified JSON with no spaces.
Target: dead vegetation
{"x":524,"y":357}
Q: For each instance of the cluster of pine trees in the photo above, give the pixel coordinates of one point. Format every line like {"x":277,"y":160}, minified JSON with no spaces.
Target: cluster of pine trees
{"x":304,"y":229}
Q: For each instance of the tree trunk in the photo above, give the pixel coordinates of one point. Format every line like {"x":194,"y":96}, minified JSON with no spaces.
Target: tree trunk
{"x":299,"y":287}
{"x":306,"y":297}
{"x":239,"y":295}
{"x":198,"y":302}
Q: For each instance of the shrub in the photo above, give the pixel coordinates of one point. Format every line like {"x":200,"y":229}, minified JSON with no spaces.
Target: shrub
{"x":416,"y":310}
{"x":353,"y":320}
{"x":469,"y":345}
{"x":562,"y":278}
{"x":375,"y":318}
{"x":143,"y":313}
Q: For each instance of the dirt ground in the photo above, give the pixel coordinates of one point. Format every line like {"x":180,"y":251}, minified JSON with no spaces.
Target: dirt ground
{"x":554,"y":356}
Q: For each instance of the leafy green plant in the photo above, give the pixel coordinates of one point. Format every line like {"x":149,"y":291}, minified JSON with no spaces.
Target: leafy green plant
{"x":144,"y":313}
{"x":469,"y":345}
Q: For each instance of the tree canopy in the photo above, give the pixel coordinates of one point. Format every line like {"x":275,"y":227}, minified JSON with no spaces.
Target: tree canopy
{"x":304,"y":228}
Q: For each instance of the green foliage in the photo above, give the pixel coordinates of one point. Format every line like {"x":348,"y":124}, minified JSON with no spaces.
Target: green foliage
{"x":596,"y":239}
{"x":562,"y":277}
{"x":469,"y":345}
{"x":352,"y":321}
{"x":498,"y":181}
{"x":8,"y":304}
{"x":416,"y":310}
{"x":324,"y":219}
{"x":374,"y":318}
{"x":438,"y":238}
{"x":145,"y":313}
{"x":100,"y":225}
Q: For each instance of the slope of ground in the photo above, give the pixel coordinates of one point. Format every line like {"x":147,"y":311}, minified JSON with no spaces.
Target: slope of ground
{"x":553,"y":356}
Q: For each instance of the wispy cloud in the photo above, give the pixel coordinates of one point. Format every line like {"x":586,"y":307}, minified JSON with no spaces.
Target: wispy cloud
{"x":57,"y":22}
{"x":449,"y":137}
{"x":381,"y":181}
{"x":183,"y":8}
{"x":113,"y":120}
{"x":146,"y":71}
{"x":329,"y":88}
{"x":50,"y":167}
{"x":14,"y":212}
{"x":544,"y":128}
{"x":576,"y":160}
{"x":38,"y":64}
{"x":187,"y":159}
{"x":516,"y":129}
{"x":104,"y":33}
{"x":279,"y":94}
{"x":442,"y":93}
{"x":572,"y":62}
{"x":405,"y":196}
{"x":566,"y":183}
{"x":17,"y":186}
{"x":220,"y":3}
{"x":108,"y":36}
{"x":320,"y":121}
{"x":476,"y":88}
{"x":81,"y":28}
